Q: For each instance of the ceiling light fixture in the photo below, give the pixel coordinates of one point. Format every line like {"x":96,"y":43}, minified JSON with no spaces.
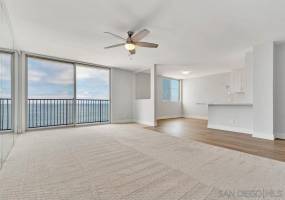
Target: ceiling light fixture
{"x":185,"y":72}
{"x":130,"y":46}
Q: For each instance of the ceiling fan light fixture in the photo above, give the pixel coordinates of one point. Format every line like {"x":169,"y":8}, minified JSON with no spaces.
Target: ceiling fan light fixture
{"x":130,"y":46}
{"x":133,"y":41}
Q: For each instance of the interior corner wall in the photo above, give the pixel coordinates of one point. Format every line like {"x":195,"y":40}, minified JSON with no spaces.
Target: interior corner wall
{"x":263,"y":68}
{"x":121,"y":96}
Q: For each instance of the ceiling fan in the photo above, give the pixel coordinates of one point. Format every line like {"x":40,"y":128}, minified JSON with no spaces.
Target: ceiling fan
{"x":133,"y":40}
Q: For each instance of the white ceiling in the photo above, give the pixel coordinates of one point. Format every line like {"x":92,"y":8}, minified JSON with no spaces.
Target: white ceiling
{"x":203,"y":36}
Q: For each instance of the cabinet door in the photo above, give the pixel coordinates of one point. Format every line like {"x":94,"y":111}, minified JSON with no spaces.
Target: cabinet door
{"x":238,"y":81}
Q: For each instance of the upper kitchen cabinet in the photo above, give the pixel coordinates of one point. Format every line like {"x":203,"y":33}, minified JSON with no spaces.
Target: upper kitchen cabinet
{"x":238,"y":81}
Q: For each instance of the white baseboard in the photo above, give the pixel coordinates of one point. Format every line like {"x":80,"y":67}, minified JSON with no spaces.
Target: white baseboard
{"x":169,"y":117}
{"x":196,"y":117}
{"x":280,"y":136}
{"x":263,"y":135}
{"x":124,"y":121}
{"x":128,"y":121}
{"x":230,"y":128}
{"x":146,"y":123}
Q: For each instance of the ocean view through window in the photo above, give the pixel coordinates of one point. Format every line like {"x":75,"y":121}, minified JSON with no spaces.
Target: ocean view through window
{"x":92,"y":94}
{"x":7,"y":116}
{"x":5,"y":91}
{"x":57,"y":96}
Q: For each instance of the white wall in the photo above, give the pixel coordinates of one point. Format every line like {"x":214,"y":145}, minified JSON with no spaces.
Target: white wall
{"x":122,"y":96}
{"x":279,"y":91}
{"x":236,"y":118}
{"x":142,"y":85}
{"x":144,"y":109}
{"x":6,"y":33}
{"x":199,"y":92}
{"x":263,"y":90}
{"x":166,"y":109}
{"x":249,"y":77}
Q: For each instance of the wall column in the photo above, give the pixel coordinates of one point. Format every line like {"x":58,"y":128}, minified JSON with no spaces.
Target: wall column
{"x":263,"y":87}
{"x":153,"y":90}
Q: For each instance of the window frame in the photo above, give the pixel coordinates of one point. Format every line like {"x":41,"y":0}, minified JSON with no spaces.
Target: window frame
{"x":76,"y":123}
{"x":179,"y":90}
{"x":12,"y":53}
{"x":26,"y":55}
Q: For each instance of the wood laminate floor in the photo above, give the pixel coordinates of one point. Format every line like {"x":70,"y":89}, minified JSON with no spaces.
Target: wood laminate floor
{"x":197,"y":130}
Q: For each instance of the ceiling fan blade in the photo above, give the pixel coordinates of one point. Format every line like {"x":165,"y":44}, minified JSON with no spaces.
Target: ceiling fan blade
{"x":115,"y":35}
{"x":146,"y":44}
{"x":113,"y":46}
{"x":132,"y":51}
{"x":140,"y":35}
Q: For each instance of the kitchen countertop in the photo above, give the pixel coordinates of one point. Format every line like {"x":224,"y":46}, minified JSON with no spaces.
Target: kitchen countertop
{"x":230,"y":104}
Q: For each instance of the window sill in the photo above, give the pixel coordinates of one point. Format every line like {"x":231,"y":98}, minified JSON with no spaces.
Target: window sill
{"x":165,"y":101}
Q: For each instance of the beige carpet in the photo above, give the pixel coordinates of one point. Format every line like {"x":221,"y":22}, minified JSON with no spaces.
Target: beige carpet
{"x":128,"y":162}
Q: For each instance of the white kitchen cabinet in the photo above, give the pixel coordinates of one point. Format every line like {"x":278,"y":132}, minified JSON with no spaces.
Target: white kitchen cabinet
{"x":238,"y":81}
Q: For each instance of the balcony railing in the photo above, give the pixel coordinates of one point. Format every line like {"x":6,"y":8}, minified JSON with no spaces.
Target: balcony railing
{"x":5,"y":114}
{"x":92,"y":111}
{"x":60,"y":112}
{"x":49,"y":112}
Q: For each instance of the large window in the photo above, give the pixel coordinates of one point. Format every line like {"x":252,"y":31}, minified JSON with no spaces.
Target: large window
{"x":6,"y":105}
{"x":170,"y":90}
{"x":50,"y":79}
{"x":5,"y":91}
{"x":92,"y":94}
{"x":50,"y":93}
{"x":57,"y":96}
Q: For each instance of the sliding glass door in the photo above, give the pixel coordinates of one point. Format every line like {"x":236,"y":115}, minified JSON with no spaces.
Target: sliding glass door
{"x":92,"y":94}
{"x":6,"y":105}
{"x":5,"y":91}
{"x":63,"y":93}
{"x":50,"y":93}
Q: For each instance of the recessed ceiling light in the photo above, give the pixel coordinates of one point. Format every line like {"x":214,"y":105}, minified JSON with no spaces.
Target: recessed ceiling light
{"x":185,"y":72}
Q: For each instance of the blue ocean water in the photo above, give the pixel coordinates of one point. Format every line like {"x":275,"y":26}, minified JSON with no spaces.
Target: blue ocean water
{"x":5,"y":116}
{"x":44,"y":114}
